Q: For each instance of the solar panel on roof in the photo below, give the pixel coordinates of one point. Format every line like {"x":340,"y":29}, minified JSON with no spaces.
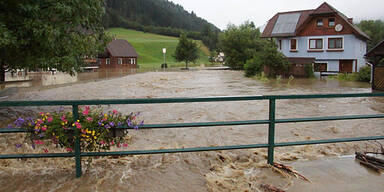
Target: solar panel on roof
{"x":286,"y":23}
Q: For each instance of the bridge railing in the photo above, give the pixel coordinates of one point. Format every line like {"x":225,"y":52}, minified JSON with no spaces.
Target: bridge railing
{"x":271,"y":121}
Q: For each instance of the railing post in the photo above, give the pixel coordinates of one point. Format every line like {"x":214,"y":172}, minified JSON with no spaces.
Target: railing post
{"x":271,"y":130}
{"x":75,"y":111}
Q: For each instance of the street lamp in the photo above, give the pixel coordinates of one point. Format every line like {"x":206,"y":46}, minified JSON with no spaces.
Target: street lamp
{"x":164,"y":64}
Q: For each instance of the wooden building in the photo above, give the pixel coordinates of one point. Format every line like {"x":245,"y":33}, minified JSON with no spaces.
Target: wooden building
{"x":376,"y":55}
{"x":324,"y":33}
{"x":298,"y":67}
{"x":119,"y":53}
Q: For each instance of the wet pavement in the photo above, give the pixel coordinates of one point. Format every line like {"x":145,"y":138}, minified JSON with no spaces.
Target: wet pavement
{"x":337,"y":175}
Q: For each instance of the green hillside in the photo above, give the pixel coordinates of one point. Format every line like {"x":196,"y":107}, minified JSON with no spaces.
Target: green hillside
{"x":149,"y":47}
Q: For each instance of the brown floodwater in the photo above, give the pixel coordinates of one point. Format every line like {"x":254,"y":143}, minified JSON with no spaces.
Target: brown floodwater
{"x":237,"y":170}
{"x":43,"y":79}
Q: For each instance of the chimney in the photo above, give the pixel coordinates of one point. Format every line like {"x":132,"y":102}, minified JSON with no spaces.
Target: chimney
{"x":350,"y":20}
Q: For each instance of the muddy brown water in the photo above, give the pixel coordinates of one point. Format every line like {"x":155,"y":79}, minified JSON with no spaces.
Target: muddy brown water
{"x":237,"y":170}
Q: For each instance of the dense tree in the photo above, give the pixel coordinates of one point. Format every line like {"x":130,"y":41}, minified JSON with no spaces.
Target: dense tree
{"x":187,"y":50}
{"x":155,"y":16}
{"x":270,"y":57}
{"x":374,"y":29}
{"x":42,"y":34}
{"x":210,"y":37}
{"x":240,"y":43}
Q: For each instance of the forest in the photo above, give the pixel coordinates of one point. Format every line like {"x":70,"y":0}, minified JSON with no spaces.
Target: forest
{"x":155,"y":16}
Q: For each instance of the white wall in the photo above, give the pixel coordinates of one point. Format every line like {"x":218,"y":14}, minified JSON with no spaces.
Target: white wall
{"x":353,"y":48}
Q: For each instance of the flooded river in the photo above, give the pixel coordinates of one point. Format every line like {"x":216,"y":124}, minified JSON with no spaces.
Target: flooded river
{"x":237,"y":170}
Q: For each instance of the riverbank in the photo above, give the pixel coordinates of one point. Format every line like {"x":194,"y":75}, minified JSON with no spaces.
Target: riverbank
{"x":236,"y":170}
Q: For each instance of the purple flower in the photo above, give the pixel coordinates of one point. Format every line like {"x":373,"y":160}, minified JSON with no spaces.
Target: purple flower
{"x":107,"y":126}
{"x":129,"y":123}
{"x":19,"y":122}
{"x":141,"y":123}
{"x":18,"y":145}
{"x":119,"y":124}
{"x":30,"y":120}
{"x":10,"y":126}
{"x":111,"y":124}
{"x":33,"y":146}
{"x":136,"y":127}
{"x":41,"y":135}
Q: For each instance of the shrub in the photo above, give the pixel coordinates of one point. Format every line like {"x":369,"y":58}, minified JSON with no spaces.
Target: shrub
{"x":253,"y":66}
{"x":97,"y":129}
{"x":270,"y":57}
{"x":345,"y":77}
{"x":309,"y":70}
{"x":364,"y":74}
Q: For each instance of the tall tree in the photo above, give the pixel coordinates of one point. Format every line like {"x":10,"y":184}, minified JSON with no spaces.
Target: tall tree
{"x":210,"y":37}
{"x":42,"y":34}
{"x":374,"y":29}
{"x":240,"y":43}
{"x":187,"y":50}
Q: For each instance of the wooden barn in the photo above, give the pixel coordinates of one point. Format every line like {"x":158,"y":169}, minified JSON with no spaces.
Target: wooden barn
{"x":376,"y":55}
{"x":119,"y":53}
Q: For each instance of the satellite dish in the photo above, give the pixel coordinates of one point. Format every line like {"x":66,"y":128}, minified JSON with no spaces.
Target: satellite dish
{"x":338,"y":27}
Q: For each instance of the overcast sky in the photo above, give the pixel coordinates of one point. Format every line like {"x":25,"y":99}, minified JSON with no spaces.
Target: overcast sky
{"x":222,"y":12}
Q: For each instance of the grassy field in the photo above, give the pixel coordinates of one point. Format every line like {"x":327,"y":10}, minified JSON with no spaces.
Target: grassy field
{"x":149,"y":47}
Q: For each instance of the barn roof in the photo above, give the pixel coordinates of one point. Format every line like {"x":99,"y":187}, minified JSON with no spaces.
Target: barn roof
{"x":121,"y":48}
{"x":287,"y":24}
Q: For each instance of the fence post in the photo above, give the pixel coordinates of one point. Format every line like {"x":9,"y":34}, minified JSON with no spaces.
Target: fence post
{"x":271,"y":130}
{"x":75,"y":111}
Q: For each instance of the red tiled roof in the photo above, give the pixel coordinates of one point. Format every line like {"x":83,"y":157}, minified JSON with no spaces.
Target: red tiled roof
{"x":121,"y":48}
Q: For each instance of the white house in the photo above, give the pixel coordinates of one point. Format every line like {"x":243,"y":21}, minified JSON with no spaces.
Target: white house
{"x":324,"y":35}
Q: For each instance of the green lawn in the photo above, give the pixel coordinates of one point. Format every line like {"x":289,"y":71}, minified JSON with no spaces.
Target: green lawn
{"x":149,"y":47}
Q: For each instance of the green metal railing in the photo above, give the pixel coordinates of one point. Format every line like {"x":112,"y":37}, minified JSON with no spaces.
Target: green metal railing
{"x":271,"y":121}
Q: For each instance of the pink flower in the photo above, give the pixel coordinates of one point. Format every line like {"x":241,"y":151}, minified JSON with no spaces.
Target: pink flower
{"x":78,"y":125}
{"x":112,"y":143}
{"x":45,"y":150}
{"x":102,"y":142}
{"x":118,"y":145}
{"x":50,"y":119}
{"x":38,"y":142}
{"x":43,"y":128}
{"x":63,"y":118}
{"x":114,"y":111}
{"x":125,"y":145}
{"x":86,"y":111}
{"x":69,"y":149}
{"x":89,"y":119}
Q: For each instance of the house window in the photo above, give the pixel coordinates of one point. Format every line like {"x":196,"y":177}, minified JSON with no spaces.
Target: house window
{"x":107,"y":61}
{"x":335,"y":43}
{"x":315,"y":43}
{"x":119,"y":61}
{"x":280,"y":44}
{"x":293,"y":44}
{"x":319,"y":22}
{"x":132,"y":61}
{"x":331,"y":22}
